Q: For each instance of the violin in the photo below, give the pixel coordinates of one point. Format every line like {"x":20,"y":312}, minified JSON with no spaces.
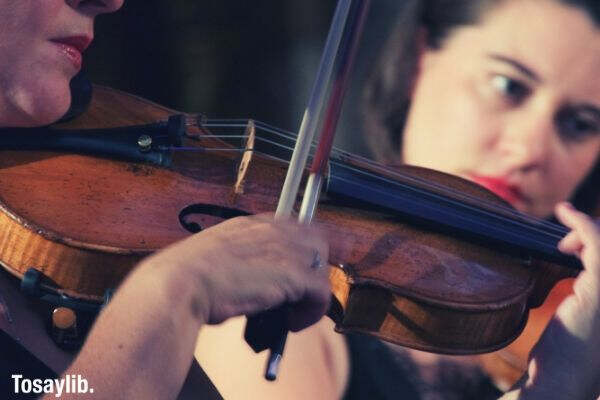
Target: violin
{"x":421,"y":258}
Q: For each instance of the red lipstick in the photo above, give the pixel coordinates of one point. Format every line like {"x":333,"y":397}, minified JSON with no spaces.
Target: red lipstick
{"x":73,"y":47}
{"x":501,"y":187}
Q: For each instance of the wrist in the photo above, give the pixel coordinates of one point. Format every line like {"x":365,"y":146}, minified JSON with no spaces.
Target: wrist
{"x":175,"y":288}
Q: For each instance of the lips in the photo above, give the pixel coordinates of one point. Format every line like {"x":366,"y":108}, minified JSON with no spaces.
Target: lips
{"x":72,"y":48}
{"x":80,"y":43}
{"x":501,"y":187}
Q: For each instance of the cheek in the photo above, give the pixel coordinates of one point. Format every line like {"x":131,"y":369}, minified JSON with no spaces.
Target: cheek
{"x":447,"y":127}
{"x":27,"y":21}
{"x":34,"y":88}
{"x":568,"y":170}
{"x":574,"y":168}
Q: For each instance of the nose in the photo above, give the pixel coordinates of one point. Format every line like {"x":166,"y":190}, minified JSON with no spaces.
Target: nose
{"x":527,"y":140}
{"x":95,"y":7}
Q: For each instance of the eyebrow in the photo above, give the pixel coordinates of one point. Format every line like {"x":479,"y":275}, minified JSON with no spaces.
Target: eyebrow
{"x":517,"y":65}
{"x":585,"y":107}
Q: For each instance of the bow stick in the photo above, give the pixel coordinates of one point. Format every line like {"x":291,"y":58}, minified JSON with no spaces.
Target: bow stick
{"x":339,"y":54}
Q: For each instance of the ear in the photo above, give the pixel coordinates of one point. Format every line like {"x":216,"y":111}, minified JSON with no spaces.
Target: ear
{"x":420,"y":49}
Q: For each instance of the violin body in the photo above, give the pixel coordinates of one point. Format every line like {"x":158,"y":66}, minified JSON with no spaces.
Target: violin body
{"x":448,"y":296}
{"x":86,"y":221}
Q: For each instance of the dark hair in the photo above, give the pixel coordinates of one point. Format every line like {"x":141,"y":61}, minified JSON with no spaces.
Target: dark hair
{"x":385,"y":101}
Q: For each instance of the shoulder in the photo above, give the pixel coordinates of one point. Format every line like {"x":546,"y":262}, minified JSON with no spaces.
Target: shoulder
{"x":317,"y":355}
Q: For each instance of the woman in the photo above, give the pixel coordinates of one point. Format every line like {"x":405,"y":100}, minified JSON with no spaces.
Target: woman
{"x":153,"y":362}
{"x":503,"y":93}
{"x":154,"y":318}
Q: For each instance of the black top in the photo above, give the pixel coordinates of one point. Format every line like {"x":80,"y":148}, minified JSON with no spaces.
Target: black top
{"x":378,"y":372}
{"x":17,"y":360}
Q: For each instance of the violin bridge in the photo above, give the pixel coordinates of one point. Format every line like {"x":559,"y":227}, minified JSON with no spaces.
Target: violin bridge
{"x":250,"y":134}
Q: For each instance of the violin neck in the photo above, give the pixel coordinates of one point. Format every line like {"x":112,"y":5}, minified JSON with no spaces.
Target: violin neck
{"x":439,"y":212}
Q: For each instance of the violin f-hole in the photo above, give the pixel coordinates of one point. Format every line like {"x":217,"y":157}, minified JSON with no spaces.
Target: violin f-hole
{"x":206,"y":209}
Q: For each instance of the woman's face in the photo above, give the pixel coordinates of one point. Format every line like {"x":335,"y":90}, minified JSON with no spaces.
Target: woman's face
{"x":512,"y":103}
{"x":40,"y":51}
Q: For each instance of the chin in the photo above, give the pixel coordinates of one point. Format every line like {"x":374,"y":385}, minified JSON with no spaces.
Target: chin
{"x":49,"y":113}
{"x":38,"y":103}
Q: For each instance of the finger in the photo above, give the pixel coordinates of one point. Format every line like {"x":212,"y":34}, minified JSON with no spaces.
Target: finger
{"x":310,"y":238}
{"x":588,"y":232}
{"x":311,"y":308}
{"x":571,"y":244}
{"x":576,"y":220}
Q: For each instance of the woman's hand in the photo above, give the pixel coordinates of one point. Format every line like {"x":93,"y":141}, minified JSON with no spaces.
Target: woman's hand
{"x":580,"y":313}
{"x":565,"y":363}
{"x":246,"y":265}
{"x":142,"y":344}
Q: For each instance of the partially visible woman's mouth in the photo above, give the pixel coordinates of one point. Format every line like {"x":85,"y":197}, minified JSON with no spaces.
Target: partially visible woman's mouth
{"x":501,"y":187}
{"x":72,"y":48}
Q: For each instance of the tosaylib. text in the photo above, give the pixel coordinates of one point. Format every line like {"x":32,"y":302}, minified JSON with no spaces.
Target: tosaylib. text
{"x":66,"y":384}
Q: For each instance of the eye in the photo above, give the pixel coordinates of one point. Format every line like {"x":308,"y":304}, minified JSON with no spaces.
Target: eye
{"x":512,"y":89}
{"x":575,"y":125}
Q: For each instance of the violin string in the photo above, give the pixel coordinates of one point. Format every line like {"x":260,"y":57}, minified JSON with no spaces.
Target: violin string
{"x":494,"y":207}
{"x":480,"y":206}
{"x":552,"y":239}
{"x":340,"y":153}
{"x":508,"y":211}
{"x":241,"y":123}
{"x":468,"y":206}
{"x":538,"y":222}
{"x":239,"y":150}
{"x":203,"y":149}
{"x":533,"y":222}
{"x":472,"y":208}
{"x":437,"y":197}
{"x":444,"y":199}
{"x":511,"y":213}
{"x":542,"y":242}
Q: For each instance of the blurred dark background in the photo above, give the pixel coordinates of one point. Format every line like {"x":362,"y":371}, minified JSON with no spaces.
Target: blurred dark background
{"x":230,"y":59}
